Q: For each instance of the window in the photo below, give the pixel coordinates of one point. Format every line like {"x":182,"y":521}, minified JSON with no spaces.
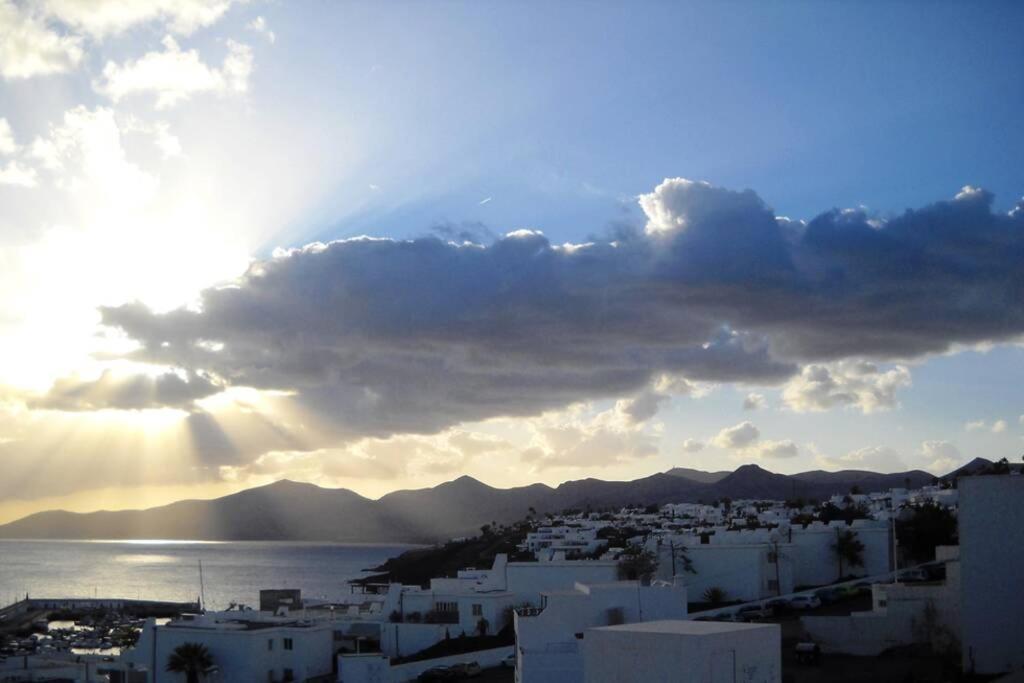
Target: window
{"x":773,"y":557}
{"x":270,"y":676}
{"x":478,"y":610}
{"x":270,"y":644}
{"x":287,"y":643}
{"x":289,"y":675}
{"x":447,"y":607}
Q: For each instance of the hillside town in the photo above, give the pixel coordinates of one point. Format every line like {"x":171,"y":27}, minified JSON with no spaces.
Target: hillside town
{"x":903,"y":584}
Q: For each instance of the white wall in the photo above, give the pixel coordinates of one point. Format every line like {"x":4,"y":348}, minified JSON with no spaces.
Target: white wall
{"x":401,"y":640}
{"x":991,"y":565}
{"x":527,"y":580}
{"x":547,"y":643}
{"x":241,"y":655}
{"x":742,"y":571}
{"x":751,"y":655}
{"x":815,"y":562}
{"x":377,"y":669}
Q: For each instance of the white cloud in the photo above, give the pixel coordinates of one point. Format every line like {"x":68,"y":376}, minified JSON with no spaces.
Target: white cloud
{"x":259,"y":25}
{"x":693,"y":445}
{"x":86,"y":154}
{"x":641,"y":407}
{"x":874,"y":458}
{"x":997,"y":427}
{"x":942,"y":456}
{"x":774,"y":449}
{"x":15,"y":173}
{"x":29,"y":47}
{"x":739,"y":436}
{"x":754,"y":401}
{"x":160,"y":133}
{"x":100,"y":18}
{"x":846,"y":383}
{"x":577,"y":438}
{"x":174,"y":75}
{"x":7,"y":143}
{"x":677,"y":203}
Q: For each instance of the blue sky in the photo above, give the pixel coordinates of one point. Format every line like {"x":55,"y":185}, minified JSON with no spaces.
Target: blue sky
{"x":156,"y":150}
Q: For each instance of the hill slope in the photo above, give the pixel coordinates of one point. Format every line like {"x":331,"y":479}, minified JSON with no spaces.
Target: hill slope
{"x":291,"y":511}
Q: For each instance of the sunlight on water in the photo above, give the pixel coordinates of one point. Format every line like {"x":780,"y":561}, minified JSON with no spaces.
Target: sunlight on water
{"x":168,"y":570}
{"x":146,"y":559}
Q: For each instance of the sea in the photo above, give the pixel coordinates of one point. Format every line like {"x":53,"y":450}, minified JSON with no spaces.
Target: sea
{"x":232,"y":572}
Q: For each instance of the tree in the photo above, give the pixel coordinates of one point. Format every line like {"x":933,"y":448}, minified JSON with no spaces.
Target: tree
{"x":715,"y":596}
{"x":926,"y":525}
{"x":680,"y":559}
{"x":191,"y":659}
{"x":849,"y":549}
{"x":637,"y":565}
{"x":481,"y":627}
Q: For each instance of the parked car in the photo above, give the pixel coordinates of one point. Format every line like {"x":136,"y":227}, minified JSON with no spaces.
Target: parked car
{"x":829,"y":595}
{"x":862,"y":587}
{"x":778,"y":605}
{"x":755,"y":613}
{"x":466,"y":670}
{"x":509,"y":662}
{"x":438,"y":673}
{"x":913,"y":575}
{"x":804,"y":602}
{"x":808,"y":653}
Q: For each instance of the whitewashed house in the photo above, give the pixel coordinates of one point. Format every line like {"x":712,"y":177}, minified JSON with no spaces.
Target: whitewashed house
{"x":991,"y":516}
{"x":548,"y":638}
{"x":244,"y":646}
{"x":901,"y":614}
{"x":676,"y":651}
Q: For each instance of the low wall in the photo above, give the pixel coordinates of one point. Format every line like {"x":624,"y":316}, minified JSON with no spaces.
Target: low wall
{"x":863,"y":635}
{"x":485,"y":658}
{"x":377,"y":668}
{"x":404,"y":639}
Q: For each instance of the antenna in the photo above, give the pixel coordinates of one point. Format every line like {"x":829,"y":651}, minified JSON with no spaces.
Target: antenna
{"x":202,"y":589}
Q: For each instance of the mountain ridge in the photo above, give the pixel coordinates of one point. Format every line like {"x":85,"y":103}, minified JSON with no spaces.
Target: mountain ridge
{"x":287,"y":510}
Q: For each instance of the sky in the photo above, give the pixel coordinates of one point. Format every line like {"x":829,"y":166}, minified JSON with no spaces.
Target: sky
{"x":382,"y":245}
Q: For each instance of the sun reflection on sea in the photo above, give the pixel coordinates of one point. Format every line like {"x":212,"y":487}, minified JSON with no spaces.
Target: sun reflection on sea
{"x":146,"y":559}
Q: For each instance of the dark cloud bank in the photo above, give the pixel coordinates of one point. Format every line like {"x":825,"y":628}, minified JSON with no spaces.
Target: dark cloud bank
{"x":388,"y":336}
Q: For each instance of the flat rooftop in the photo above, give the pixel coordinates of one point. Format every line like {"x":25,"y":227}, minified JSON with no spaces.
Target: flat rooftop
{"x":686,"y":627}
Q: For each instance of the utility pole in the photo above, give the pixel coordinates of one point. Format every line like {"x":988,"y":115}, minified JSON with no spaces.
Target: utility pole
{"x":895,"y":552}
{"x":202,"y":589}
{"x":778,"y":580}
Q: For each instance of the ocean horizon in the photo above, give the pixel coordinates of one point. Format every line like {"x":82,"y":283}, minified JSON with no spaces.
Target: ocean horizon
{"x":164,"y":569}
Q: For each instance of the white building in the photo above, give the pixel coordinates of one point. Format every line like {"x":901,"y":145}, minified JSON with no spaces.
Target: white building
{"x":244,"y":646}
{"x":901,"y":614}
{"x":683,"y":652}
{"x":991,"y":516}
{"x":548,"y":638}
{"x":570,"y":540}
{"x":754,"y":564}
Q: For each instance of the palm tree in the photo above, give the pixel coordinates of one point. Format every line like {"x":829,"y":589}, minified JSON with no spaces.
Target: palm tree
{"x":191,"y":659}
{"x":714,"y":596}
{"x":848,"y":548}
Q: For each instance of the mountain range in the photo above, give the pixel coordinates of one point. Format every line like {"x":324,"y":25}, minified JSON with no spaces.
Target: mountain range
{"x":292,"y":511}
